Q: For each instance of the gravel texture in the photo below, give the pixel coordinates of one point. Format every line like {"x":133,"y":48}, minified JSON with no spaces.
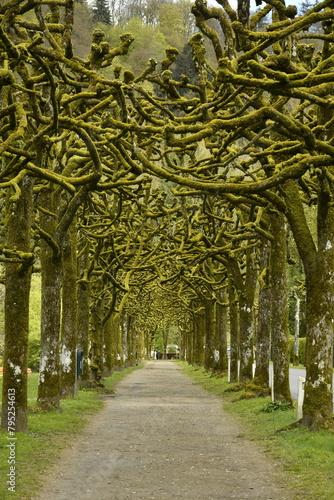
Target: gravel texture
{"x":163,"y":437}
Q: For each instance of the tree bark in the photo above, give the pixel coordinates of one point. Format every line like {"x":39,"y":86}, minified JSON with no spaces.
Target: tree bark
{"x":49,"y":383}
{"x":318,"y":267}
{"x":83,"y":293}
{"x":210,"y":329}
{"x":280,"y":314}
{"x":264,"y":319}
{"x":318,"y":399}
{"x":296,"y":339}
{"x":95,"y":354}
{"x":246,"y":292}
{"x":125,"y":345}
{"x":234,"y":330}
{"x":221,"y":331}
{"x":17,"y":281}
{"x":69,"y":324}
{"x":199,"y":339}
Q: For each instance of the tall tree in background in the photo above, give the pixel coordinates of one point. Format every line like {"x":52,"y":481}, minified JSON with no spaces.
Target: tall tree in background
{"x":101,"y":12}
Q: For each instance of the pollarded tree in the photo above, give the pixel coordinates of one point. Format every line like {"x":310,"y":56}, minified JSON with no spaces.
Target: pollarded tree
{"x":39,"y":147}
{"x":18,"y":258}
{"x":264,"y":82}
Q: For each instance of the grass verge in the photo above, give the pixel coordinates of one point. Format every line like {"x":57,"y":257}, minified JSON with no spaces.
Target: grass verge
{"x":49,"y":433}
{"x":307,"y":457}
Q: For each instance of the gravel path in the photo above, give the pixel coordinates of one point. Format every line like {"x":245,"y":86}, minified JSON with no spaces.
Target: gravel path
{"x":162,"y":437}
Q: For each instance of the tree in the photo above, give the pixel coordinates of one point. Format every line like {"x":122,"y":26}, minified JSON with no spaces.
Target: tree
{"x":19,"y":259}
{"x":38,"y":149}
{"x":252,"y":118}
{"x":250,"y":140}
{"x":101,"y":12}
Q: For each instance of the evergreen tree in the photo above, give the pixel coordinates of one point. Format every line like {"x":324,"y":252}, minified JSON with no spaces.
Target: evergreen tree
{"x":306,"y":5}
{"x":101,"y":12}
{"x":184,"y":66}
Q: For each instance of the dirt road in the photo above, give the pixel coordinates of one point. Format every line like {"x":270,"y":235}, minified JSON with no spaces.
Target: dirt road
{"x":162,"y":437}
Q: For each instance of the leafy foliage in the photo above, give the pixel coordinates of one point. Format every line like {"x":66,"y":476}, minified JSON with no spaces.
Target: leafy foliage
{"x":277,"y":405}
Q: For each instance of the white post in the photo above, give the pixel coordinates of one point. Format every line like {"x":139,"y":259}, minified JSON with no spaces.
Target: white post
{"x":253,"y":369}
{"x":271,"y":381}
{"x":238,"y":364}
{"x":300,"y":398}
{"x":228,"y":369}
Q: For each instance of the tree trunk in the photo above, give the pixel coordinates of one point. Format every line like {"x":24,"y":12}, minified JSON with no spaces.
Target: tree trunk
{"x":210,"y":329}
{"x":190,"y":341}
{"x":95,"y":353}
{"x":280,"y":314}
{"x":49,"y":384}
{"x":109,"y":339}
{"x":318,"y":267}
{"x":264,"y":319}
{"x":69,"y":314}
{"x":131,"y":340}
{"x":246,"y":317}
{"x":296,"y":339}
{"x":125,"y":345}
{"x":83,"y":293}
{"x":200,"y":339}
{"x":17,"y":281}
{"x":318,"y":402}
{"x":234,"y":330}
{"x":221,"y":331}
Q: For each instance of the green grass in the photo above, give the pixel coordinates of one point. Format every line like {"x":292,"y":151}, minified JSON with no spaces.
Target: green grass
{"x":307,"y":457}
{"x":48,"y":434}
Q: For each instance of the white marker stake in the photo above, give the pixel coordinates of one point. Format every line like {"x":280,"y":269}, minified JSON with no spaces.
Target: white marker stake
{"x":271,"y":381}
{"x":300,"y":399}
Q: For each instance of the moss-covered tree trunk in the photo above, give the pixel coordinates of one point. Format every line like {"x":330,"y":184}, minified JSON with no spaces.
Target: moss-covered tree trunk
{"x":221,"y":331}
{"x":51,"y":275}
{"x":318,"y":267}
{"x":234,"y":329}
{"x":95,"y":353}
{"x":17,"y":282}
{"x":131,"y":340}
{"x":296,"y":334}
{"x":125,"y":345}
{"x":280,"y":314}
{"x":83,"y":294}
{"x":189,"y":354}
{"x":109,"y":339}
{"x":69,"y":324}
{"x":140,"y":341}
{"x":184,"y":340}
{"x":246,"y":292}
{"x":318,"y":402}
{"x":264,"y":319}
{"x":199,"y":352}
{"x":210,"y":331}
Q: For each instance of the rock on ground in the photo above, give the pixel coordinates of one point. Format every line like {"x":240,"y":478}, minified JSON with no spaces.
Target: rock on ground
{"x":163,"y":437}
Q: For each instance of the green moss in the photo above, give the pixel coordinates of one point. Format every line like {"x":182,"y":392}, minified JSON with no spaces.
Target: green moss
{"x":317,"y":408}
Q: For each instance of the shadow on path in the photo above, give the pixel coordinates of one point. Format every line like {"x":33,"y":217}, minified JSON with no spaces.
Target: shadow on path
{"x":162,"y":437}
